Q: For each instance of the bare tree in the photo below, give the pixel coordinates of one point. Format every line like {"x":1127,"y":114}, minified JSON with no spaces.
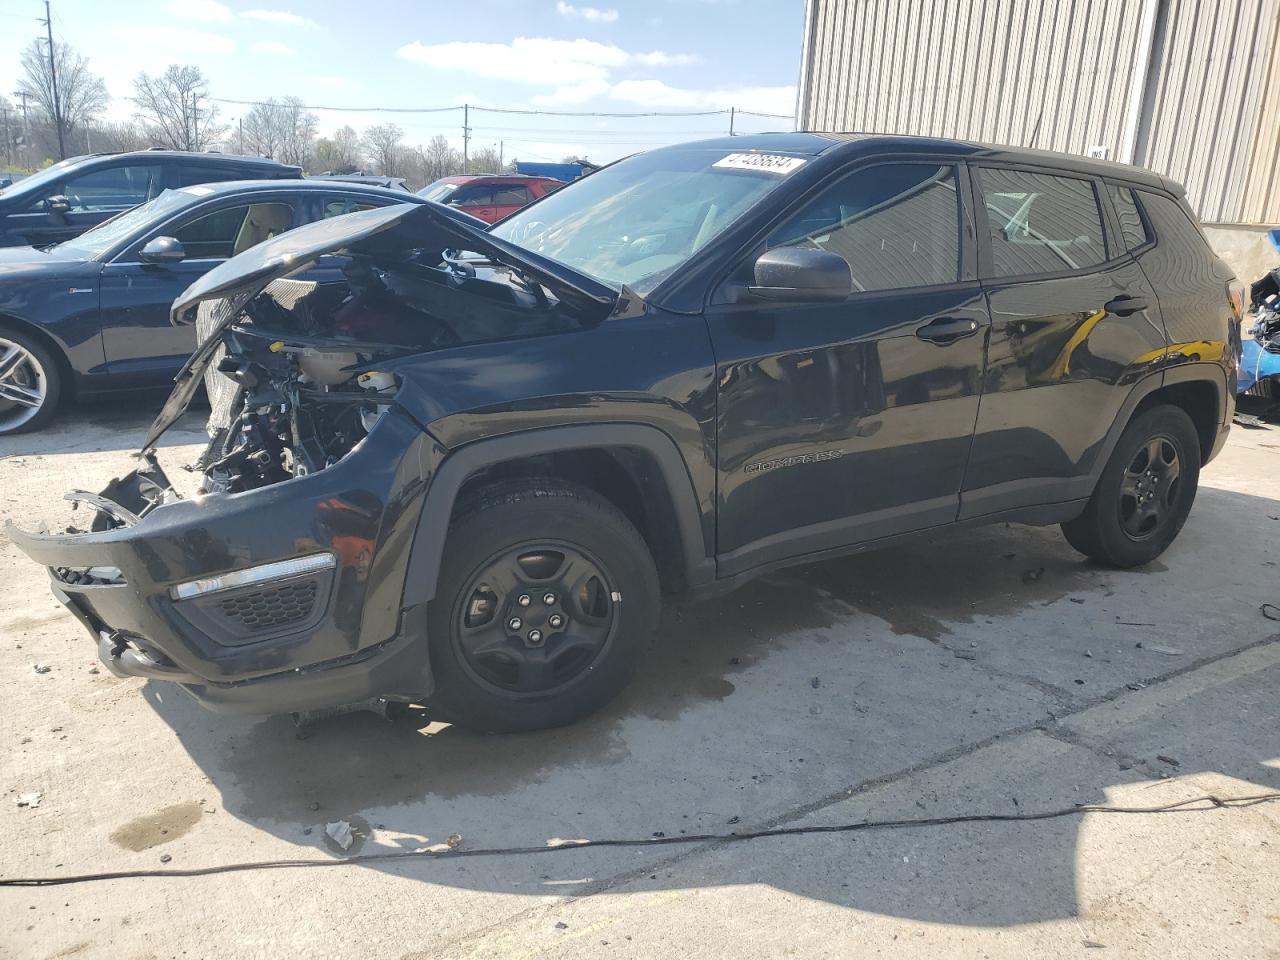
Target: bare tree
{"x":175,"y":110}
{"x":120,"y":136}
{"x":485,"y":161}
{"x":382,"y":148}
{"x":283,"y":130}
{"x":339,"y":153}
{"x":438,"y":159}
{"x":81,"y":94}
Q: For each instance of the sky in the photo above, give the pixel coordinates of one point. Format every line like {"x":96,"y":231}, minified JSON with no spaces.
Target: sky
{"x":619,"y":56}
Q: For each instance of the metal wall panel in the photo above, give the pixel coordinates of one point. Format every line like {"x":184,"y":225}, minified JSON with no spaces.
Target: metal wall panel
{"x":1061,"y":75}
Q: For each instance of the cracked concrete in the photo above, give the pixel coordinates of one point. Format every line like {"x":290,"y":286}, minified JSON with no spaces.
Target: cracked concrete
{"x":949,"y":683}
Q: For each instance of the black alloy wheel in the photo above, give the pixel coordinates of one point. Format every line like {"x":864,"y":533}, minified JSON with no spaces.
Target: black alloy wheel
{"x":1149,"y":488}
{"x":1144,"y":493}
{"x":535,"y":617}
{"x":546,"y":602}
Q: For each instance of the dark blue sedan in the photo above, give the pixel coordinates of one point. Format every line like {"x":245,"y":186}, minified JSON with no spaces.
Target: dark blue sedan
{"x":92,"y":314}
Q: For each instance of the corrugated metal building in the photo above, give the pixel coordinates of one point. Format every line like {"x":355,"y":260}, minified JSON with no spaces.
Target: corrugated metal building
{"x":1190,"y":88}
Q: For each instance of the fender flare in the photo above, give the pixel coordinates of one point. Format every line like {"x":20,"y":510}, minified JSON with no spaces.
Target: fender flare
{"x":1197,"y":372}
{"x":427,"y":551}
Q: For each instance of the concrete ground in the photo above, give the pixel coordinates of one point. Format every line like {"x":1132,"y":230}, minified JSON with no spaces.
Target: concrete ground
{"x":991,"y":671}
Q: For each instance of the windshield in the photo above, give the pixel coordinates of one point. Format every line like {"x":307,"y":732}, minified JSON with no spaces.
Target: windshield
{"x":636,"y":221}
{"x":109,"y":234}
{"x":437,"y":191}
{"x":42,"y":179}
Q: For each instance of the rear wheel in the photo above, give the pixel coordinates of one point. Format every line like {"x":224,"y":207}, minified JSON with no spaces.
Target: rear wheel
{"x":30,"y":383}
{"x":1145,"y":491}
{"x":547,"y":598}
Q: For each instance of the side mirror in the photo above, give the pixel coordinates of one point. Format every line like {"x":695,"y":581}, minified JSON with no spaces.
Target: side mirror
{"x":162,"y":250}
{"x":58,"y":204}
{"x":801,"y":274}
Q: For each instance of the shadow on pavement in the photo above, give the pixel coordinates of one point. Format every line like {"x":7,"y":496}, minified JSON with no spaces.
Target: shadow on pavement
{"x":764,"y":701}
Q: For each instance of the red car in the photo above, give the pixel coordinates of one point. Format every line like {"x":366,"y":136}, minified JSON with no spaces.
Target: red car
{"x":489,"y":196}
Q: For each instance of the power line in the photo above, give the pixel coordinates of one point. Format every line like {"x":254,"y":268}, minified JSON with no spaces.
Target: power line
{"x":518,"y":111}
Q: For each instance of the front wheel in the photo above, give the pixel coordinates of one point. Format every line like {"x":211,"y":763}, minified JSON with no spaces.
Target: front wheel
{"x":30,"y":383}
{"x":1145,"y":491}
{"x":547,"y":598}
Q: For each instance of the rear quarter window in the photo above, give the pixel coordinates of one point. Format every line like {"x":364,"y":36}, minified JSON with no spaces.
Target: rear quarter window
{"x":1132,"y":226}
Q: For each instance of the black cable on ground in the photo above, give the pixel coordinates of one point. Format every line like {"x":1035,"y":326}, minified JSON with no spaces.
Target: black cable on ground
{"x":1193,"y":805}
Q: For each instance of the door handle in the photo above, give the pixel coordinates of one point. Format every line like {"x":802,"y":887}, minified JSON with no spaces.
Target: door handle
{"x":1125,"y":306}
{"x":946,"y":330}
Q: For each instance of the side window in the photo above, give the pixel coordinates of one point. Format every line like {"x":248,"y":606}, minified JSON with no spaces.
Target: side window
{"x":1041,"y":223}
{"x":336,"y":208}
{"x":225,"y":233}
{"x":115,"y":188}
{"x":1132,"y":226}
{"x":472,"y":193}
{"x":512,"y":193}
{"x":896,"y":226}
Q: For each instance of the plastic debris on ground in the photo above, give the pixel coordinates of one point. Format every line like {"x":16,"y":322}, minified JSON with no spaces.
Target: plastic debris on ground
{"x":340,"y":832}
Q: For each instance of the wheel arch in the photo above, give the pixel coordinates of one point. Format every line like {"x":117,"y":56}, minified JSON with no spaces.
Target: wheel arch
{"x":56,"y":348}
{"x":635,"y":466}
{"x":1200,"y":389}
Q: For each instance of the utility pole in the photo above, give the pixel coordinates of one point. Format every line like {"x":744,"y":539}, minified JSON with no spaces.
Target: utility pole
{"x":26,"y":129}
{"x":502,"y":153}
{"x":53,"y":79}
{"x":8,"y":141}
{"x":731,"y":121}
{"x":466,"y":133}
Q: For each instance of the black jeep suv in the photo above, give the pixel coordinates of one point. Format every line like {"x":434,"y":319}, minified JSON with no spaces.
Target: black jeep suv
{"x":464,"y":473}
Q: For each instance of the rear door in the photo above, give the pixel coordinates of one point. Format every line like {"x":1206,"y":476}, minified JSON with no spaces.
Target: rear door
{"x":141,"y":345}
{"x":844,"y":422}
{"x":1074,"y":323}
{"x":476,"y":199}
{"x":508,"y":198}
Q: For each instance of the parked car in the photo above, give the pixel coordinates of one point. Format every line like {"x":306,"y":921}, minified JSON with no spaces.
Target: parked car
{"x":92,"y":314}
{"x":368,"y":179}
{"x":465,"y":480}
{"x":66,"y":199}
{"x":488,"y":196}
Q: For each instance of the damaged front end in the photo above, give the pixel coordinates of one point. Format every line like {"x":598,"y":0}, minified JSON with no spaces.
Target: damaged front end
{"x":278,"y":585}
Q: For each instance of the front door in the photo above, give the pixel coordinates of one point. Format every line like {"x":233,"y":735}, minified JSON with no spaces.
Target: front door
{"x":142,"y":346}
{"x":845,"y":422}
{"x":1074,"y":323}
{"x":91,"y":198}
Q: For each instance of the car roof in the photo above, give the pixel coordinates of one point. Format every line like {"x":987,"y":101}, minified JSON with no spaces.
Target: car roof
{"x":226,"y":187}
{"x":187,"y":156}
{"x":868,"y":144}
{"x":496,"y":178}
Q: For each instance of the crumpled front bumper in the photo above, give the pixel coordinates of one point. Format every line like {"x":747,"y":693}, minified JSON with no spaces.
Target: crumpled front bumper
{"x":332,"y":634}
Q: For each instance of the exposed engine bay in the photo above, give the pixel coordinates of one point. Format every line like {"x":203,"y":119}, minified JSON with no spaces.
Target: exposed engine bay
{"x":1259,"y":372}
{"x":298,"y":380}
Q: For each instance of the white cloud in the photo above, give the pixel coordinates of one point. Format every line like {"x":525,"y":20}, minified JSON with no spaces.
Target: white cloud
{"x":536,"y":60}
{"x":285,"y":17}
{"x":199,"y":10}
{"x":273,"y":48}
{"x":590,"y":14}
{"x":655,"y":93}
{"x":173,"y":40}
{"x":572,"y":93}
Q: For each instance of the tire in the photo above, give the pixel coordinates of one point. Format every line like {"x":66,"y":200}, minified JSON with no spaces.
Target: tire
{"x":29,"y":370}
{"x":502,"y":552}
{"x":1133,"y":516}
